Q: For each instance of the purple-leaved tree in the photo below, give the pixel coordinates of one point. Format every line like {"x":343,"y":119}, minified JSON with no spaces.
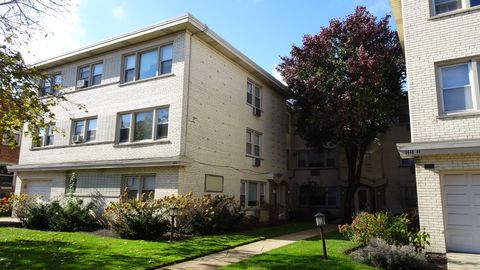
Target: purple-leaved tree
{"x":346,"y":83}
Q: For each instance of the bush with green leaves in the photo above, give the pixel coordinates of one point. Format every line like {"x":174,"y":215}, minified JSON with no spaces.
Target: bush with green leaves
{"x":393,"y":229}
{"x":137,"y":219}
{"x":64,"y":214}
{"x":380,"y":254}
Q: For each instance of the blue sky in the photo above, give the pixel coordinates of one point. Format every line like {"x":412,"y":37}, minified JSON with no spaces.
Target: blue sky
{"x":261,"y":29}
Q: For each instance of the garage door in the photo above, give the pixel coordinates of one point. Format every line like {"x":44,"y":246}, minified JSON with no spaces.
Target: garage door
{"x":39,"y":188}
{"x":462,"y":212}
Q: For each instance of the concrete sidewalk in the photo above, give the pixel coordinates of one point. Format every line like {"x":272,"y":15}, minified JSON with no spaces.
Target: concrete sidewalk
{"x":463,"y":261}
{"x":222,"y":258}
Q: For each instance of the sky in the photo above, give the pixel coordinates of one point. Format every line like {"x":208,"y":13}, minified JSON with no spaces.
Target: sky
{"x":263,"y":30}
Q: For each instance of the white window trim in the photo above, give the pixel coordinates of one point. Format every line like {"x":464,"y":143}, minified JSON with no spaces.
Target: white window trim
{"x":90,"y":76}
{"x":137,"y":54}
{"x":252,"y":149}
{"x":84,"y":131}
{"x":473,"y":76}
{"x":260,"y":92}
{"x":465,"y":5}
{"x":44,"y":139}
{"x":141,"y":178}
{"x":245,"y":192}
{"x":132,"y":125}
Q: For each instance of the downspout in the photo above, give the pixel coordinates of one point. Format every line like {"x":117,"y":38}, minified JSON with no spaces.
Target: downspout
{"x":187,"y":90}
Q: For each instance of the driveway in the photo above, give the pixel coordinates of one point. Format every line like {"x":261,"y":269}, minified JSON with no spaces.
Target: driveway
{"x":463,"y":261}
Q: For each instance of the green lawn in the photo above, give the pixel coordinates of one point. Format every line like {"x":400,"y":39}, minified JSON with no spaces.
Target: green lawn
{"x":305,"y":255}
{"x":30,"y":249}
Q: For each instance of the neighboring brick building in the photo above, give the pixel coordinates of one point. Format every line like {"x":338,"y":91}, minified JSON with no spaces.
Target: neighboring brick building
{"x":442,"y":48}
{"x":8,"y":156}
{"x":172,"y":108}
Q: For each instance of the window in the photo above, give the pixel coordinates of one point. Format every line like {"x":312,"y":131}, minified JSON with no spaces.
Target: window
{"x":6,"y":178}
{"x":407,"y":162}
{"x":150,"y":63}
{"x":316,"y":159}
{"x":51,"y":85}
{"x":16,"y":138}
{"x":84,"y":130}
{"x":253,"y":95}
{"x":46,"y":136}
{"x":138,"y":185}
{"x":474,"y":3}
{"x":213,"y":183}
{"x":252,"y":193}
{"x":253,"y":143}
{"x":142,"y":125}
{"x":456,"y":88}
{"x":311,"y":194}
{"x":442,"y":6}
{"x":90,"y":75}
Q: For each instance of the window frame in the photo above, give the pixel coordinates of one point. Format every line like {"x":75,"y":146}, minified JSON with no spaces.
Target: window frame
{"x":325,"y":157}
{"x":473,"y":76}
{"x":260,"y":95}
{"x":244,"y":192}
{"x":252,"y":144}
{"x":132,"y":125}
{"x":464,"y":5}
{"x":90,"y":74}
{"x":84,"y":129}
{"x":49,"y":132}
{"x":136,"y":54}
{"x":51,"y":79}
{"x":140,"y":185}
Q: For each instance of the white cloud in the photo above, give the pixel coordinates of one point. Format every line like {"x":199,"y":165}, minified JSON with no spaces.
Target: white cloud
{"x":275,"y":73}
{"x":64,"y":33}
{"x":377,"y":7}
{"x":118,"y":13}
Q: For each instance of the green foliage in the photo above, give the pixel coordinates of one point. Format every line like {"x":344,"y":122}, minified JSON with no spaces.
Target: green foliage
{"x":215,"y":215}
{"x":393,"y":229}
{"x":68,"y":214}
{"x":380,"y":254}
{"x":137,"y":219}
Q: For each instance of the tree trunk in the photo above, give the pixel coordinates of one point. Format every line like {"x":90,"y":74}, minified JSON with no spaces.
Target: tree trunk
{"x":355,"y":154}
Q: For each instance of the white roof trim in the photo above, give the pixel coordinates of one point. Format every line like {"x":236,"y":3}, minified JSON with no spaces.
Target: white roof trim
{"x":412,"y":150}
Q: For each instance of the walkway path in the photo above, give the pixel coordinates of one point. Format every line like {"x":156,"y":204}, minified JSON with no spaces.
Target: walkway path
{"x":222,"y":258}
{"x":463,"y":261}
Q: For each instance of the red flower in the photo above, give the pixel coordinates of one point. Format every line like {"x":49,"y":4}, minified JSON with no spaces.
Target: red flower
{"x":4,"y":200}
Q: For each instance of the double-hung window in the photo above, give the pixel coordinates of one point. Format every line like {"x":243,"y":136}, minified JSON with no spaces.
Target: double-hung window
{"x":252,"y":193}
{"x":253,"y":143}
{"x":151,"y":124}
{"x":90,"y":75}
{"x":316,"y":159}
{"x":148,"y":64}
{"x":443,"y":6}
{"x":84,"y":130}
{"x":51,"y":85}
{"x":459,"y":87}
{"x":138,"y":185}
{"x":46,"y":136}
{"x":254,"y":95}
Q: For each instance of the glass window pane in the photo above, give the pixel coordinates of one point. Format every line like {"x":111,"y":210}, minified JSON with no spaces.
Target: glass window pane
{"x":91,"y":129}
{"x":442,"y":6}
{"x":166,"y":67}
{"x":85,"y":73}
{"x":143,"y":126}
{"x":457,"y":99}
{"x":57,"y":80}
{"x":149,"y":182}
{"x":162,"y":116}
{"x":167,"y":52}
{"x":129,"y":68}
{"x":474,"y":3}
{"x":125,"y":121}
{"x":249,"y":136}
{"x":97,"y":69}
{"x":256,"y":139}
{"x":252,"y":194}
{"x":78,"y":128}
{"x":148,"y":64}
{"x":455,"y":76}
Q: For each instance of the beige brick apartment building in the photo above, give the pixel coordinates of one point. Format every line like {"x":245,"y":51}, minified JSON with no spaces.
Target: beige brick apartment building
{"x":442,"y":46}
{"x":172,"y":108}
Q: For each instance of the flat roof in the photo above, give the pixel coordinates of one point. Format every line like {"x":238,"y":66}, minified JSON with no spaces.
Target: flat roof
{"x":185,"y":22}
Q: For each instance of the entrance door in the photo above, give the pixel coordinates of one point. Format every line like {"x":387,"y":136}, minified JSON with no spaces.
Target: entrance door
{"x":362,"y":200}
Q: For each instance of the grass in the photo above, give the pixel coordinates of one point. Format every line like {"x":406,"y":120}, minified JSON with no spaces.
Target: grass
{"x":306,"y":255}
{"x":30,"y":249}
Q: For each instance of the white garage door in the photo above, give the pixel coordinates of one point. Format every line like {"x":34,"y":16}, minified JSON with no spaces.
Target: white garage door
{"x":462,"y":212}
{"x":39,"y":188}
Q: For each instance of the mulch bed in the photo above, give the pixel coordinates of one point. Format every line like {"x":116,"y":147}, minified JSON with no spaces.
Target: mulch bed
{"x":437,"y":261}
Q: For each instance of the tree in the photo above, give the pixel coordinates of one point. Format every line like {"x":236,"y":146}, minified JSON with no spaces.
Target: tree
{"x":346,"y":83}
{"x":20,"y":20}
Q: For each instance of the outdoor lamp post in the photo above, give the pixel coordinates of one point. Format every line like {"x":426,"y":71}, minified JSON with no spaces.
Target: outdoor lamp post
{"x":320,"y":220}
{"x":173,"y":214}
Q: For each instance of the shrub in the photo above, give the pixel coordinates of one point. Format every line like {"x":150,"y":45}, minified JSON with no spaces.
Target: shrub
{"x":137,"y":219}
{"x":394,"y":230}
{"x":71,"y":215}
{"x":65,"y":214}
{"x":380,"y":254}
{"x":214,"y":215}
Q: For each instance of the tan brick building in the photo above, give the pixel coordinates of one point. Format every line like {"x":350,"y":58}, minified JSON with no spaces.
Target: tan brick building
{"x":172,"y":108}
{"x":442,"y":48}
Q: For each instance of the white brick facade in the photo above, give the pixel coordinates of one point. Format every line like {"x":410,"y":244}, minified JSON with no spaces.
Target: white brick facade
{"x":208,"y":118}
{"x":429,"y":42}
